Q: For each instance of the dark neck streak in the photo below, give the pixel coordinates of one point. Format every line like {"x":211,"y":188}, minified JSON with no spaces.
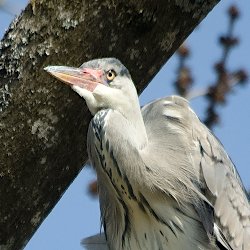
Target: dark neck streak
{"x":101,"y":146}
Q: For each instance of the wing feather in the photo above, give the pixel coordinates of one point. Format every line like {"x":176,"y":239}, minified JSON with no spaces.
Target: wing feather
{"x":219,"y":180}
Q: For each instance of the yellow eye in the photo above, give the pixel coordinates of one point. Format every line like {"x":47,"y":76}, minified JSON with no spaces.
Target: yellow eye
{"x":111,"y":75}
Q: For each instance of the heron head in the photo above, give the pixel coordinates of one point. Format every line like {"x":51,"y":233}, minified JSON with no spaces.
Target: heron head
{"x":103,"y":83}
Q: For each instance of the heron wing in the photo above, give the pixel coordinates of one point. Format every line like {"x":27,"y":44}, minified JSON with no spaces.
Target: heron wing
{"x":171,"y":121}
{"x":224,"y":189}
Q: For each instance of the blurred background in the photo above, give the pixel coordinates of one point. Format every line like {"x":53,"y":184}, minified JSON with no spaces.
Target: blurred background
{"x":212,"y":65}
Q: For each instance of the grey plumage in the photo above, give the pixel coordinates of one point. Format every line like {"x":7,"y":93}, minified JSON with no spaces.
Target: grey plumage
{"x":165,"y":182}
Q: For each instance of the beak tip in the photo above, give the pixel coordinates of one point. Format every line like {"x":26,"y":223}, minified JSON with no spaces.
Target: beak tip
{"x":48,"y":68}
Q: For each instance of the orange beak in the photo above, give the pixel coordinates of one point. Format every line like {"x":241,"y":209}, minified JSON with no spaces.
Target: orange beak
{"x":86,"y":78}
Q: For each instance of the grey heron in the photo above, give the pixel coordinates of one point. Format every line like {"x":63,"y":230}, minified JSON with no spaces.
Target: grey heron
{"x":165,"y":181}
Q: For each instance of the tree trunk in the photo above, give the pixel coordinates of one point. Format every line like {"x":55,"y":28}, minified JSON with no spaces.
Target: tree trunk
{"x":42,"y":122}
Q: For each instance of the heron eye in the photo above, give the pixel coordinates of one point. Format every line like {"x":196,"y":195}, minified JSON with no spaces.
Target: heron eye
{"x":111,"y":75}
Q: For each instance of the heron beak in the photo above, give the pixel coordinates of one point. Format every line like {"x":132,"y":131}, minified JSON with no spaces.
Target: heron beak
{"x":86,"y":78}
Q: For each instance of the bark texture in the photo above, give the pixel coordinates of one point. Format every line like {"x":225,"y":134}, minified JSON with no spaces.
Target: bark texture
{"x":42,"y":122}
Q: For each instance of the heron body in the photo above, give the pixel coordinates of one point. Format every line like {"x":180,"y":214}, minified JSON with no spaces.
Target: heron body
{"x":165,"y":182}
{"x":138,"y":215}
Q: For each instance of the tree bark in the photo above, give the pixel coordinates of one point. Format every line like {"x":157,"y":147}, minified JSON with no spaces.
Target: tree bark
{"x":43,"y":123}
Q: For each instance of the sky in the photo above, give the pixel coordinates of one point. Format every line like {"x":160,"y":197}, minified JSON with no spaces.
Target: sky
{"x":77,"y":214}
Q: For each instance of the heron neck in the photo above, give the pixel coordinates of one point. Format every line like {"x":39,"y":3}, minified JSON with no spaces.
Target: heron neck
{"x":135,"y":118}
